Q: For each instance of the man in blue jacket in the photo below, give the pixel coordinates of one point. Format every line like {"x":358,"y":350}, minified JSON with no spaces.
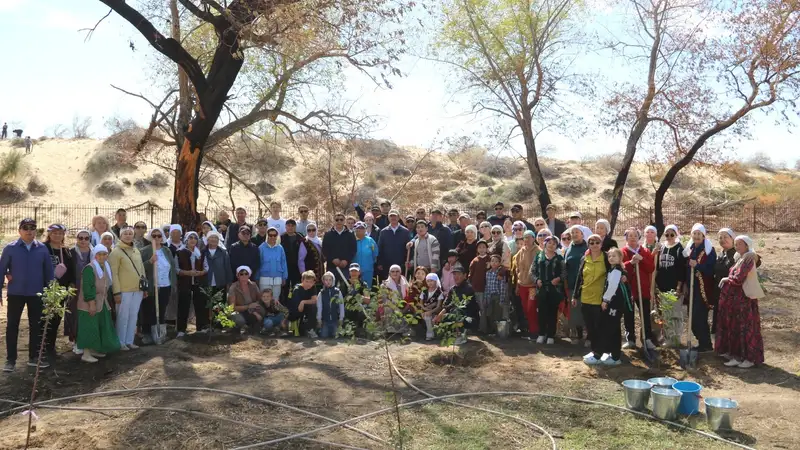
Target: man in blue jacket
{"x":443,"y":234}
{"x":392,"y":245}
{"x":339,"y":248}
{"x":27,"y":266}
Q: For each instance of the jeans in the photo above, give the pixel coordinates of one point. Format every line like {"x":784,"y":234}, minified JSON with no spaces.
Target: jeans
{"x":273,"y":321}
{"x":329,"y":328}
{"x":15,"y":305}
{"x":267,"y":282}
{"x":127,"y":314}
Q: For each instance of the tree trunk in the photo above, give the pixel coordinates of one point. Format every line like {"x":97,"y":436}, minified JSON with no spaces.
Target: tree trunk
{"x":622,"y":176}
{"x":187,"y":185}
{"x":184,"y":99}
{"x":535,"y":171}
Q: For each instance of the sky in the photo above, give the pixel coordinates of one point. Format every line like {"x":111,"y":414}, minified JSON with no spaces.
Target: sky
{"x":50,"y":74}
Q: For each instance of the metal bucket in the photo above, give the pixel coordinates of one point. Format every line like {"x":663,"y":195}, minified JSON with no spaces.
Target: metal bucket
{"x":665,"y":402}
{"x":637,"y":394}
{"x":502,"y":329}
{"x":666,"y":382}
{"x":720,"y":413}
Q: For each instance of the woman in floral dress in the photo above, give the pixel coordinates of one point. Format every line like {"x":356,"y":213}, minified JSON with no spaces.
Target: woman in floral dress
{"x":739,"y":335}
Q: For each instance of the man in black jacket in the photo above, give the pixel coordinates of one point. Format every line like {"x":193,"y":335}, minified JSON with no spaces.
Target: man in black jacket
{"x":291,"y":242}
{"x":443,"y":234}
{"x":339,"y":248}
{"x":499,"y":216}
{"x":245,"y":253}
{"x":516,"y":215}
{"x":463,"y":295}
{"x":233,"y":229}
{"x":556,"y":226}
{"x":392,"y":245}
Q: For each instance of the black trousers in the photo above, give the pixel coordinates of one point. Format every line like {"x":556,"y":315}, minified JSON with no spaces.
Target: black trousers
{"x":148,"y":309}
{"x":15,"y":305}
{"x":192,"y":296}
{"x":307,"y":318}
{"x":592,"y":317}
{"x":51,"y":335}
{"x":610,"y":332}
{"x":700,"y":327}
{"x":630,"y":321}
{"x":547,"y":305}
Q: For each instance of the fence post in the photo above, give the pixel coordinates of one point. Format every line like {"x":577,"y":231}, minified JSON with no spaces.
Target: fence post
{"x":754,"y":217}
{"x":35,"y":213}
{"x":649,"y":215}
{"x":151,"y":216}
{"x":96,"y":211}
{"x":703,"y":215}
{"x":596,"y":216}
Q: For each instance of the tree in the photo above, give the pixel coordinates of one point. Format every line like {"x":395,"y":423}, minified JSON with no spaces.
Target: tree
{"x":283,"y":39}
{"x":511,"y":55}
{"x":756,"y":62}
{"x":661,"y":50}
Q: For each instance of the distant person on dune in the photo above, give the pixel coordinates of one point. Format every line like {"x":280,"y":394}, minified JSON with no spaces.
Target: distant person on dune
{"x":5,"y":131}
{"x":28,"y":145}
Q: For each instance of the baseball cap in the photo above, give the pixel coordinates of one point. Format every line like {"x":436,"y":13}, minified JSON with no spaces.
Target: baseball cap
{"x":575,"y":214}
{"x":452,"y":252}
{"x":244,"y":228}
{"x":499,"y":204}
{"x":355,"y":266}
{"x":394,"y":212}
{"x":291,"y":222}
{"x":27,"y":221}
{"x":386,"y":203}
{"x":375,"y":208}
{"x":360,"y":226}
{"x":436,"y":211}
{"x":261,"y":222}
{"x":516,"y":207}
{"x":56,"y":226}
{"x":458,"y":268}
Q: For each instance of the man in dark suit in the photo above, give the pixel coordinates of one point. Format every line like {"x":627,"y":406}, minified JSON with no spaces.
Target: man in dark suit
{"x":516,"y":215}
{"x":556,"y":226}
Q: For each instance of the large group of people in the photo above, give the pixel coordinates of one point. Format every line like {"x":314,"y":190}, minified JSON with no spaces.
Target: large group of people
{"x":493,"y":275}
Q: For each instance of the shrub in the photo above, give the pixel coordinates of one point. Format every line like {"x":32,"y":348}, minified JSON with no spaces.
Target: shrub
{"x":12,"y":166}
{"x":110,"y":190}
{"x":458,"y":196}
{"x":521,"y":192}
{"x":36,"y":187}
{"x":575,"y":186}
{"x":11,"y":193}
{"x":374,"y":148}
{"x":80,"y":127}
{"x":17,"y":143}
{"x":401,"y":172}
{"x":263,"y":188}
{"x":484,"y":181}
{"x":125,"y":182}
{"x":42,"y":138}
{"x":608,"y":161}
{"x":607,"y":194}
{"x":504,"y":168}
{"x":108,"y":160}
{"x":157,"y":180}
{"x":549,"y":172}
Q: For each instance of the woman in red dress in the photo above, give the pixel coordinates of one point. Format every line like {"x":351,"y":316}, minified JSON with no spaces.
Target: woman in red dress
{"x":740,"y":337}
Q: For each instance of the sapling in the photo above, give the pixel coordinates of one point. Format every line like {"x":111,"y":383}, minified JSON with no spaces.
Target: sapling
{"x":54,"y":301}
{"x":221,"y":311}
{"x":452,"y":324}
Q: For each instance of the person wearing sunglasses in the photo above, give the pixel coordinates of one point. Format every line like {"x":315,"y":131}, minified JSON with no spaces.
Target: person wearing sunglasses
{"x":556,"y":226}
{"x":244,"y":296}
{"x":517,"y":215}
{"x":573,"y":254}
{"x":566,"y":240}
{"x":161,"y":271}
{"x":517,"y":235}
{"x":82,"y":256}
{"x":64,"y":270}
{"x":274,"y":271}
{"x":588,"y":295}
{"x":480,"y":217}
{"x":245,"y":253}
{"x":636,"y":256}
{"x":392,"y":245}
{"x":454,"y":221}
{"x":339,"y":248}
{"x":499,"y":246}
{"x":499,"y":215}
{"x":302,"y":222}
{"x":139,"y":230}
{"x":25,"y":264}
{"x":309,"y":257}
{"x":670,"y":276}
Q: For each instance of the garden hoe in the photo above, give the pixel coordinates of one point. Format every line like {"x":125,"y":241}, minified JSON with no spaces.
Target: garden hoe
{"x":688,"y":357}
{"x":159,"y":335}
{"x":649,"y":355}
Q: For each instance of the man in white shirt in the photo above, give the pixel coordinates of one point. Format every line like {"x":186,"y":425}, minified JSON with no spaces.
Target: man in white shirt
{"x":275,"y":220}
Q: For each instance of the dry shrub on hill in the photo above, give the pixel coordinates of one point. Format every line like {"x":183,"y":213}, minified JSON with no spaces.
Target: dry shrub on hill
{"x":110,"y":190}
{"x":36,"y":187}
{"x":607,"y":161}
{"x":574,"y":187}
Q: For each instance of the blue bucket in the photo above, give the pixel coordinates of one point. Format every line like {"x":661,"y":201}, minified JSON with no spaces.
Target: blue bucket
{"x":690,"y":400}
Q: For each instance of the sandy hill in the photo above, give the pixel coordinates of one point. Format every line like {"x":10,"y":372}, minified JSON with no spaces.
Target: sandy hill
{"x":93,"y":172}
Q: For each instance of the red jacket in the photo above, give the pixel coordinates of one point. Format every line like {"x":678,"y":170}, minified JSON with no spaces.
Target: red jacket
{"x":646,"y":268}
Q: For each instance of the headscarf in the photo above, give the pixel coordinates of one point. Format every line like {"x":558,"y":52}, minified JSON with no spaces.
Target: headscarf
{"x":278,"y":241}
{"x":434,"y":277}
{"x":100,"y":248}
{"x":747,"y":240}
{"x":529,"y":233}
{"x":729,"y":232}
{"x":246,"y":269}
{"x":605,"y":223}
{"x":707,"y":245}
{"x":474,"y":230}
{"x":219,"y":236}
{"x":579,"y":228}
{"x":651,"y":228}
{"x":675,"y":229}
{"x":497,"y":228}
{"x":403,"y":287}
{"x":196,"y":251}
{"x":518,"y":224}
{"x":316,"y":240}
{"x":108,"y":233}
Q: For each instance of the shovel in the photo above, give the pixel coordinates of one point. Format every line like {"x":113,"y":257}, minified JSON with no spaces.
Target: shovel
{"x":688,"y":357}
{"x":158,"y":336}
{"x":649,"y":355}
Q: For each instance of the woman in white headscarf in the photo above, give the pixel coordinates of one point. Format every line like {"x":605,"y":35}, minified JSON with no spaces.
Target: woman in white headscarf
{"x":726,"y":258}
{"x":701,"y":256}
{"x":431,"y":300}
{"x":602,"y":228}
{"x":96,"y":333}
{"x":739,"y":337}
{"x":396,"y":287}
{"x":161,"y":272}
{"x":191,"y":277}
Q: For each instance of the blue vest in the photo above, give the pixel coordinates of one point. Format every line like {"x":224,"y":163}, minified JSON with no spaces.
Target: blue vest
{"x":330,"y":310}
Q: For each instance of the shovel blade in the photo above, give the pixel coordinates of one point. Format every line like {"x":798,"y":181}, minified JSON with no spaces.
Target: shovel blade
{"x":684,"y":358}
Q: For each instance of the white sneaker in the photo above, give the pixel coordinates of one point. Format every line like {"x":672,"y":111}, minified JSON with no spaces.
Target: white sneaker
{"x":551,"y":341}
{"x":587,"y":344}
{"x":312,"y":334}
{"x":726,"y":355}
{"x":628,"y":345}
{"x":123,"y":347}
{"x":87,"y":357}
{"x":611,"y":362}
{"x":591,"y":361}
{"x":461,"y":339}
{"x":98,"y":355}
{"x":133,"y":346}
{"x":77,"y":350}
{"x":605,"y":357}
{"x":540,"y":340}
{"x":180,"y":334}
{"x":588,"y":355}
{"x":746,"y":364}
{"x":650,"y":345}
{"x":733,"y":363}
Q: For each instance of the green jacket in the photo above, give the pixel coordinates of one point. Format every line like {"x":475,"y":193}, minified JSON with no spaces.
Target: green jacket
{"x":147,"y":253}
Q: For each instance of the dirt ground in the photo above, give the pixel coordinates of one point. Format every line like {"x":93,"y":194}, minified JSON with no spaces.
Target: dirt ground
{"x":341,"y":380}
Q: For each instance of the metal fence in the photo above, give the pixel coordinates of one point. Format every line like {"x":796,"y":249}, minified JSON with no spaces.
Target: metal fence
{"x":747,"y":217}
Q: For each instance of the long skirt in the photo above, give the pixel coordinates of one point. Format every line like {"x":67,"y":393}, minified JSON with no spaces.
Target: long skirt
{"x":97,"y":332}
{"x":739,"y":326}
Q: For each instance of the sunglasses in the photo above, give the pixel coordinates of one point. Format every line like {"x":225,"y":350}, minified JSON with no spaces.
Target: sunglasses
{"x":340,"y":219}
{"x":243,"y":273}
{"x":594,"y":243}
{"x":29,"y":227}
{"x":498,"y":209}
{"x":311,"y":230}
{"x":518,"y":229}
{"x":566,"y":238}
{"x":140,"y":228}
{"x":156,"y":236}
{"x":272,"y":235}
{"x":83,"y":238}
{"x":496,"y":232}
{"x":303,"y":211}
{"x":669,"y":234}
